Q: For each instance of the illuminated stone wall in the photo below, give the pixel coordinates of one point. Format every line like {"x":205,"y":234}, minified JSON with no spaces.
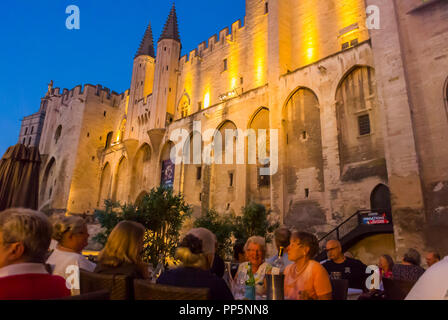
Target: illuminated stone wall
{"x":314,"y":69}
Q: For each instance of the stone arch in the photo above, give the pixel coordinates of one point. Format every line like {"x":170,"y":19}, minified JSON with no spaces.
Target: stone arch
{"x":105,"y":184}
{"x":380,"y":199}
{"x":141,"y":169}
{"x":140,"y":197}
{"x":224,"y":177}
{"x":48,"y":181}
{"x":302,"y":159}
{"x":358,"y":123}
{"x":259,"y":185}
{"x":193,"y":171}
{"x":120,"y":184}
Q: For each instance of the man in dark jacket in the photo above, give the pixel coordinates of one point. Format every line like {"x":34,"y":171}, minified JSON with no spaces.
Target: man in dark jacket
{"x":350,"y":269}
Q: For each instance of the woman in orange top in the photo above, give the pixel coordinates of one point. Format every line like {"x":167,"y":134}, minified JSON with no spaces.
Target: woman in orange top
{"x":306,"y":279}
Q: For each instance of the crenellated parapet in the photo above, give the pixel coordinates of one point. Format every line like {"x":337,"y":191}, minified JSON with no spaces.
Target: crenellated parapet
{"x":103,"y":94}
{"x":214,"y":43}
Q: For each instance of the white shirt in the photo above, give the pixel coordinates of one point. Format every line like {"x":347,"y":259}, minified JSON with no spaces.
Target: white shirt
{"x":22,"y":268}
{"x":433,"y":284}
{"x":67,"y":265}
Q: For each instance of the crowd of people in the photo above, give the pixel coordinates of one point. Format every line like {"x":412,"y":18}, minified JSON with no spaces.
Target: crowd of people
{"x":39,"y":259}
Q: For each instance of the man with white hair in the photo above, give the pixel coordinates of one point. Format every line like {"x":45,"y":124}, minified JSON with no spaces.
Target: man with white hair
{"x":25,"y":236}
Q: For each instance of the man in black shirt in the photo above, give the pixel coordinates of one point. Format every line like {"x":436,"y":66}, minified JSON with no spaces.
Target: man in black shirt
{"x":350,"y":269}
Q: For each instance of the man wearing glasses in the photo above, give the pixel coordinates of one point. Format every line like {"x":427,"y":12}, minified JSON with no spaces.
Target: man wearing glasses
{"x":339,"y":266}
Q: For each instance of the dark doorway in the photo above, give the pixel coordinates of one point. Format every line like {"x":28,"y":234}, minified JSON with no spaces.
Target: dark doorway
{"x":380,"y":200}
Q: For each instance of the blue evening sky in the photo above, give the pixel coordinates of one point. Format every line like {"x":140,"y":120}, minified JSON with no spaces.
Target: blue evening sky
{"x":36,"y":46}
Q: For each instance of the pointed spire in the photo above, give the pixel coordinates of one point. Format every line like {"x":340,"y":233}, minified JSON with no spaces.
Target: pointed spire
{"x":147,"y":44}
{"x":171,"y":29}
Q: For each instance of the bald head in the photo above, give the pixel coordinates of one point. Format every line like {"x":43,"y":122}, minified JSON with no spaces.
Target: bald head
{"x":334,"y":251}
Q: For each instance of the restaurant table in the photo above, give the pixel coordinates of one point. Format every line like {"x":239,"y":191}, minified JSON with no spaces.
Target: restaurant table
{"x":353,"y":294}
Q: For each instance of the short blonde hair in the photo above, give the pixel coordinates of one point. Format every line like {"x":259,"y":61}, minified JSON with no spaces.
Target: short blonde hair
{"x":31,"y":228}
{"x":256,"y":240}
{"x":123,"y":245}
{"x":64,"y":224}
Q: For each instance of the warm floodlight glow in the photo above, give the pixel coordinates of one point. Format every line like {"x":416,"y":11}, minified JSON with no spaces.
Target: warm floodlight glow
{"x":207,"y":100}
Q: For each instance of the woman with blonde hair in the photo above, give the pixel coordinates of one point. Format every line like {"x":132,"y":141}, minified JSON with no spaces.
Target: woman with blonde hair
{"x":72,"y":237}
{"x":123,"y":252}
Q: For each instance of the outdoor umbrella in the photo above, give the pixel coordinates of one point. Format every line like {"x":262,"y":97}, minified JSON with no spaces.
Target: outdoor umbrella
{"x":19,"y":178}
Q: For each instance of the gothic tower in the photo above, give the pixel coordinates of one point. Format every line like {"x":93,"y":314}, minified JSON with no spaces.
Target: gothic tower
{"x":166,"y":73}
{"x":142,"y":76}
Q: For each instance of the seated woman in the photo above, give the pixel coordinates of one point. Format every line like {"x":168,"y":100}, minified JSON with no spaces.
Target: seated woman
{"x":409,"y":269}
{"x":72,"y":235}
{"x":196,"y":253}
{"x":386,"y":263}
{"x":306,"y":279}
{"x":255,"y":252}
{"x":123,"y":252}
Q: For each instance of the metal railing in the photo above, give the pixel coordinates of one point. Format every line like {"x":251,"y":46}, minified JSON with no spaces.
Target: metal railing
{"x":348,"y":226}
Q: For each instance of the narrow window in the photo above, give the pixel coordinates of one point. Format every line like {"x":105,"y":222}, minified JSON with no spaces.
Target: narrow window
{"x":32,"y":130}
{"x":225,"y":65}
{"x":105,"y":113}
{"x":266,"y":8}
{"x":23,"y":142}
{"x":200,"y":105}
{"x":198,"y":173}
{"x":29,"y":141}
{"x":307,"y":193}
{"x":231,"y":179}
{"x":57,"y":134}
{"x":364,"y":125}
{"x":26,"y":130}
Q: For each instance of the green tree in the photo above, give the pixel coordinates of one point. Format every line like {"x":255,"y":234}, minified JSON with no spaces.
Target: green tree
{"x":221,"y":226}
{"x":161,"y":212}
{"x":254,"y":222}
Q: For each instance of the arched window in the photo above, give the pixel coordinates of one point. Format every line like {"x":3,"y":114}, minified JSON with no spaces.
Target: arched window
{"x":26,"y":130}
{"x":32,"y":130}
{"x":57,"y":134}
{"x":109,"y":139}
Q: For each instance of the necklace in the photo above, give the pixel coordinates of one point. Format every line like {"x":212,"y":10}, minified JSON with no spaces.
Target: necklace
{"x":298,"y":273}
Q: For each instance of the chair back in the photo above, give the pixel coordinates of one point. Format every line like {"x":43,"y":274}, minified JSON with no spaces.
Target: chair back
{"x":99,"y":295}
{"x":118,"y":286}
{"x":397,"y":289}
{"x":340,"y":289}
{"x":145,"y":290}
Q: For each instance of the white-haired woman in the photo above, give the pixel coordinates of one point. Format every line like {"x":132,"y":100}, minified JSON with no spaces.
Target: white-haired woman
{"x":196,"y":252}
{"x":255,"y":252}
{"x":72,"y":236}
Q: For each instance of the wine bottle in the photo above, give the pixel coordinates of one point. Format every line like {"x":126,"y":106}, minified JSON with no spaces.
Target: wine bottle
{"x":250,"y":284}
{"x":278,"y":265}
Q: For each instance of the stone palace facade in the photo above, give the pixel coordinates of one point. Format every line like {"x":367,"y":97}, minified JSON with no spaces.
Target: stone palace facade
{"x":361,"y":116}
